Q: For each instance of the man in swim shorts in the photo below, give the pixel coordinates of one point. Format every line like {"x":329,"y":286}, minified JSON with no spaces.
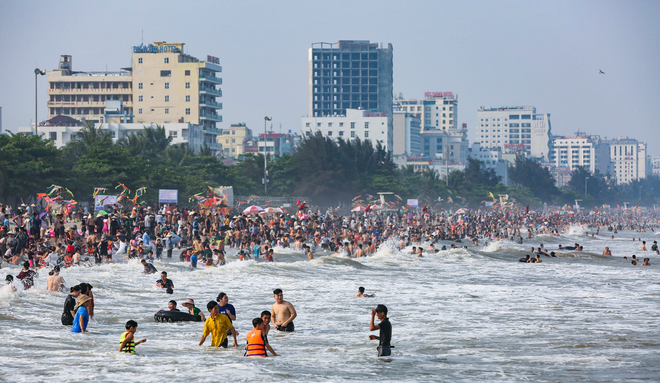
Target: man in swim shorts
{"x":283,"y":312}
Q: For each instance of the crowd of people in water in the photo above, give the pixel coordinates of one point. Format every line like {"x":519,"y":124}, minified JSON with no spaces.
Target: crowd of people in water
{"x":40,"y":240}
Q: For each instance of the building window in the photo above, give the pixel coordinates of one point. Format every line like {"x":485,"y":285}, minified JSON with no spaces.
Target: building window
{"x":352,"y":134}
{"x":139,"y":85}
{"x":167,"y":110}
{"x":187,"y":73}
{"x":352,"y":125}
{"x":366,"y":134}
{"x":329,"y":132}
{"x":187,"y":98}
{"x":140,"y":111}
{"x":166,"y":73}
{"x":167,"y":98}
{"x":167,"y":60}
{"x":329,"y":124}
{"x":140,"y":60}
{"x":173,"y":134}
{"x":366,"y":125}
{"x":341,"y":133}
{"x":187,"y":85}
{"x":167,"y":85}
{"x":307,"y":124}
{"x":318,"y":124}
{"x":187,"y":111}
{"x":341,"y":124}
{"x":53,"y":136}
{"x":140,"y":98}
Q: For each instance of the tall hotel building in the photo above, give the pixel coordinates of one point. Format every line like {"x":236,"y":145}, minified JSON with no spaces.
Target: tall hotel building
{"x":351,"y":74}
{"x":162,"y":85}
{"x":517,"y":129}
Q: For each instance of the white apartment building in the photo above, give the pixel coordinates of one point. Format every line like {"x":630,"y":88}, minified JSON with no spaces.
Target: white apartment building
{"x":407,"y":140}
{"x":655,"y":163}
{"x":628,"y":160}
{"x":357,"y":123}
{"x":517,"y":129}
{"x":437,"y":111}
{"x":570,"y":152}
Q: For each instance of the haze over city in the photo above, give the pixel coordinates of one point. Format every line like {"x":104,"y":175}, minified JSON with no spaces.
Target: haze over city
{"x":543,"y":54}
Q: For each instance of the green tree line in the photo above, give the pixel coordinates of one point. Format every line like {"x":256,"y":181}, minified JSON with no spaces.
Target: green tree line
{"x":328,"y":171}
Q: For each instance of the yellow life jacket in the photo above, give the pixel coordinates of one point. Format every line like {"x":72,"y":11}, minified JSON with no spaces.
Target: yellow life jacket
{"x":129,"y":347}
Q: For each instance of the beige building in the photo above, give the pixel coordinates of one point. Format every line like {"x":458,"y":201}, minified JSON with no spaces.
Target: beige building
{"x":163,"y":85}
{"x":233,"y":139}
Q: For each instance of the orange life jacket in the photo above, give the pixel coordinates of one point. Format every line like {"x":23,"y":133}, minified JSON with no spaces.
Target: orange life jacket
{"x":255,"y":344}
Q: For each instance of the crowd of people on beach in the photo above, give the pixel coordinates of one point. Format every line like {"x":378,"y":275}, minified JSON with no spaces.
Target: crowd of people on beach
{"x":38,"y":240}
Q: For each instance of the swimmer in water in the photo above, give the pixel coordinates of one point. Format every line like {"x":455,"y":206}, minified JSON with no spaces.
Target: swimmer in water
{"x":385,"y":327}
{"x":284,"y":312}
{"x":607,"y":251}
{"x":9,"y":287}
{"x":265,"y":316}
{"x":538,"y":259}
{"x":361,"y":293}
{"x":646,"y":262}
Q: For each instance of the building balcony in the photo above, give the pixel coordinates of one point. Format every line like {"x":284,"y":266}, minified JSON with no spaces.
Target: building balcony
{"x":211,"y":91}
{"x":210,"y":116}
{"x":208,"y":129}
{"x":211,"y":104}
{"x":213,"y":79}
{"x":83,"y":104}
{"x":56,"y":91}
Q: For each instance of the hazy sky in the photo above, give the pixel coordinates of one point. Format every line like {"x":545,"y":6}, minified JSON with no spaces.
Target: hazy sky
{"x":490,"y":53}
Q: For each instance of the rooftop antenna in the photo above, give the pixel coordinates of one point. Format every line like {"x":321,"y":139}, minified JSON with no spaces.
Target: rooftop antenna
{"x":142,"y":38}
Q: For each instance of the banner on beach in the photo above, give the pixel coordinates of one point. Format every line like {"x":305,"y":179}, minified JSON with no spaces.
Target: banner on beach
{"x":413,"y":203}
{"x":168,"y":196}
{"x":104,"y":200}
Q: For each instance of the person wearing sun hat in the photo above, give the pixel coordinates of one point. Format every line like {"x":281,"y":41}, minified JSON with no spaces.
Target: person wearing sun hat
{"x":190,"y":305}
{"x":81,"y":319}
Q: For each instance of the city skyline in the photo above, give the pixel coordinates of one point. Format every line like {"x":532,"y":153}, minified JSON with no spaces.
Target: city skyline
{"x":546,"y":55}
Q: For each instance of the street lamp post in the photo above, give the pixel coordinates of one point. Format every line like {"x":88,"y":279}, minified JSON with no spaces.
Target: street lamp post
{"x":37,"y":72}
{"x":586,"y":182}
{"x":266,"y":119}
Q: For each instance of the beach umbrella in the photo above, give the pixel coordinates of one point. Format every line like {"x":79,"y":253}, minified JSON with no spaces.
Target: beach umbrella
{"x":375,"y":207}
{"x":461,"y":211}
{"x":253,"y":209}
{"x":102,"y":212}
{"x":359,"y":208}
{"x":269,"y":210}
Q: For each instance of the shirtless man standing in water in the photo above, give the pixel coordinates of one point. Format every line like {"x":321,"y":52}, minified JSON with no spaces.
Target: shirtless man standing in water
{"x":283,"y":312}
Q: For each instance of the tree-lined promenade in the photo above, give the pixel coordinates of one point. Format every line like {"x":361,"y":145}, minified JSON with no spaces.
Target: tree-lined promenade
{"x":326,"y":170}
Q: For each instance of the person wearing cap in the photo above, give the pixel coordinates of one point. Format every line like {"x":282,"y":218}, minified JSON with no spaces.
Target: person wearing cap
{"x":69,"y":304}
{"x":81,"y":319}
{"x":190,"y":305}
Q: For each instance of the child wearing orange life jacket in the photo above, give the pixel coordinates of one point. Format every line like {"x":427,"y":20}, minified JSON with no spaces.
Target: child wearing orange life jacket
{"x":257,"y":340}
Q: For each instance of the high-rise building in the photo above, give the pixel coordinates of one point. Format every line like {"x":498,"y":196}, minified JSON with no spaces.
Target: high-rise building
{"x":351,"y":74}
{"x":628,"y":160}
{"x":407,"y":140}
{"x":163,"y":85}
{"x":569,"y":152}
{"x":440,"y":135}
{"x":0,"y":119}
{"x":517,"y":129}
{"x":438,"y":110}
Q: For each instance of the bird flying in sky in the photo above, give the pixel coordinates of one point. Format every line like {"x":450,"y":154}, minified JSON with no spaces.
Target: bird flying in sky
{"x":600,"y":72}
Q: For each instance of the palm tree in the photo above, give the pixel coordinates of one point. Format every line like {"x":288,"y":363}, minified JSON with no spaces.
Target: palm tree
{"x":89,"y":136}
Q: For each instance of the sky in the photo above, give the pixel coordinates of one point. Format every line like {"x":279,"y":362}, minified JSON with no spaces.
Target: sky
{"x":545,"y":54}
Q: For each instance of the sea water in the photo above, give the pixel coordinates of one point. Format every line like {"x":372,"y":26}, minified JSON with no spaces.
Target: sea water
{"x":473,"y":314}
